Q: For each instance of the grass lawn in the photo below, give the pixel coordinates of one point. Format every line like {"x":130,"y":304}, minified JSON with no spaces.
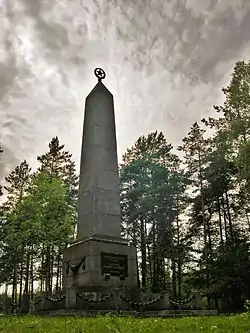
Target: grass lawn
{"x":27,"y":324}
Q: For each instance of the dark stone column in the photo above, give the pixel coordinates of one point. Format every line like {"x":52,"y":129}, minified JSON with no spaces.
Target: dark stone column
{"x":99,"y":194}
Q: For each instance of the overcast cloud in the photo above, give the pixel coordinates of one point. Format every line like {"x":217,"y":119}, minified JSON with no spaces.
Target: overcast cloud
{"x":166,"y":61}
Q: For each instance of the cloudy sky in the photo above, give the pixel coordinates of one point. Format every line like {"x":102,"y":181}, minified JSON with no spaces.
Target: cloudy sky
{"x":166,"y":61}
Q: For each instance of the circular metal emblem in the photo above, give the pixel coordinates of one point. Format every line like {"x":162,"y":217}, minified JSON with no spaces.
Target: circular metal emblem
{"x":100,"y":74}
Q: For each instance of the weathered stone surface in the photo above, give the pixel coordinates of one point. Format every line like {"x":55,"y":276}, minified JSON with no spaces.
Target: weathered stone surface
{"x":129,"y":313}
{"x":99,"y":196}
{"x":94,"y":225}
{"x":93,"y":263}
{"x":70,"y":301}
{"x":92,"y":276}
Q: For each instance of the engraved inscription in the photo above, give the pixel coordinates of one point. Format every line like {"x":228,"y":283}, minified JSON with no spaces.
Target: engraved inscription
{"x":114,"y":264}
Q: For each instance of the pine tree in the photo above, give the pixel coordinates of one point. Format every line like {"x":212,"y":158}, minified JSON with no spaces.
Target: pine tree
{"x":13,"y":225}
{"x":235,"y":110}
{"x":51,"y":219}
{"x":58,"y":165}
{"x":149,"y":188}
{"x":57,"y":162}
{"x":226,"y":191}
{"x":234,"y":121}
{"x":194,"y":148}
{"x":17,"y":183}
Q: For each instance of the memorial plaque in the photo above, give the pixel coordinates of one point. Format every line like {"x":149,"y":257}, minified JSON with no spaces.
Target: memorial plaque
{"x":114,"y":264}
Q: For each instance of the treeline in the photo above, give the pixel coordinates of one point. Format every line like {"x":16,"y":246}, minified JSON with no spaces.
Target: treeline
{"x":36,"y":223}
{"x":188,"y":215}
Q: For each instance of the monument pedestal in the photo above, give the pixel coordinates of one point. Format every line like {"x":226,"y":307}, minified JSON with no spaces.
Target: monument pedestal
{"x":98,"y":265}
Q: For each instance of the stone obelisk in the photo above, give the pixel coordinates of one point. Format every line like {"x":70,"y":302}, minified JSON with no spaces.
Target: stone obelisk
{"x":99,"y":195}
{"x":99,"y":260}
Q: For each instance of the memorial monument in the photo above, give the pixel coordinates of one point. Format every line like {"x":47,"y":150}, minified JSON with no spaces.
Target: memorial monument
{"x":100,"y":268}
{"x":100,"y":260}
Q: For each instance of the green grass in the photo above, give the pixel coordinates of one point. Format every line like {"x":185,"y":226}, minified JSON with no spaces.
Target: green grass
{"x":36,"y":324}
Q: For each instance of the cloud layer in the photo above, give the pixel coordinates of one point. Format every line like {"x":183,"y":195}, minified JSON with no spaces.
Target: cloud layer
{"x":166,"y":62}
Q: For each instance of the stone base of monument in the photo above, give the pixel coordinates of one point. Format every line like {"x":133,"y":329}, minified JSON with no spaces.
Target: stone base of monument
{"x":100,"y":277}
{"x":139,"y":304}
{"x":96,"y":269}
{"x":124,"y":313}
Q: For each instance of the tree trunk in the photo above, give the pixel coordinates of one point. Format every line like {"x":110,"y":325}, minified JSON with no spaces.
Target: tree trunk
{"x":229,"y":218}
{"x":47,"y":270}
{"x":42,"y":271}
{"x":5,"y":308}
{"x":25,"y":298}
{"x":21,"y":280}
{"x":27,"y":271}
{"x":32,"y":275}
{"x":202,"y":207}
{"x":138,"y":272}
{"x":173,"y":279}
{"x":60,"y":278}
{"x":154,"y":259}
{"x":209,"y":236}
{"x":134,"y":242}
{"x":248,"y":221}
{"x":220,"y":221}
{"x":14,"y":290}
{"x":143,"y":255}
{"x":178,"y":246}
{"x":224,"y":217}
{"x":51,"y":270}
{"x":150,"y":264}
{"x":179,"y":278}
{"x":58,"y":263}
{"x":204,"y":220}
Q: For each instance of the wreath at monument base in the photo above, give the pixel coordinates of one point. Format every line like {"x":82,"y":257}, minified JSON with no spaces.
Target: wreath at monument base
{"x":57,"y":297}
{"x":133,"y":303}
{"x":180,"y":304}
{"x":94,"y":297}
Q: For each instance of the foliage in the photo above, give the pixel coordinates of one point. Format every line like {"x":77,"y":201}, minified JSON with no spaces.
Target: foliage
{"x":37,"y":222}
{"x":152,"y":186}
{"x":57,"y":162}
{"x":212,"y":192}
{"x":50,"y":217}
